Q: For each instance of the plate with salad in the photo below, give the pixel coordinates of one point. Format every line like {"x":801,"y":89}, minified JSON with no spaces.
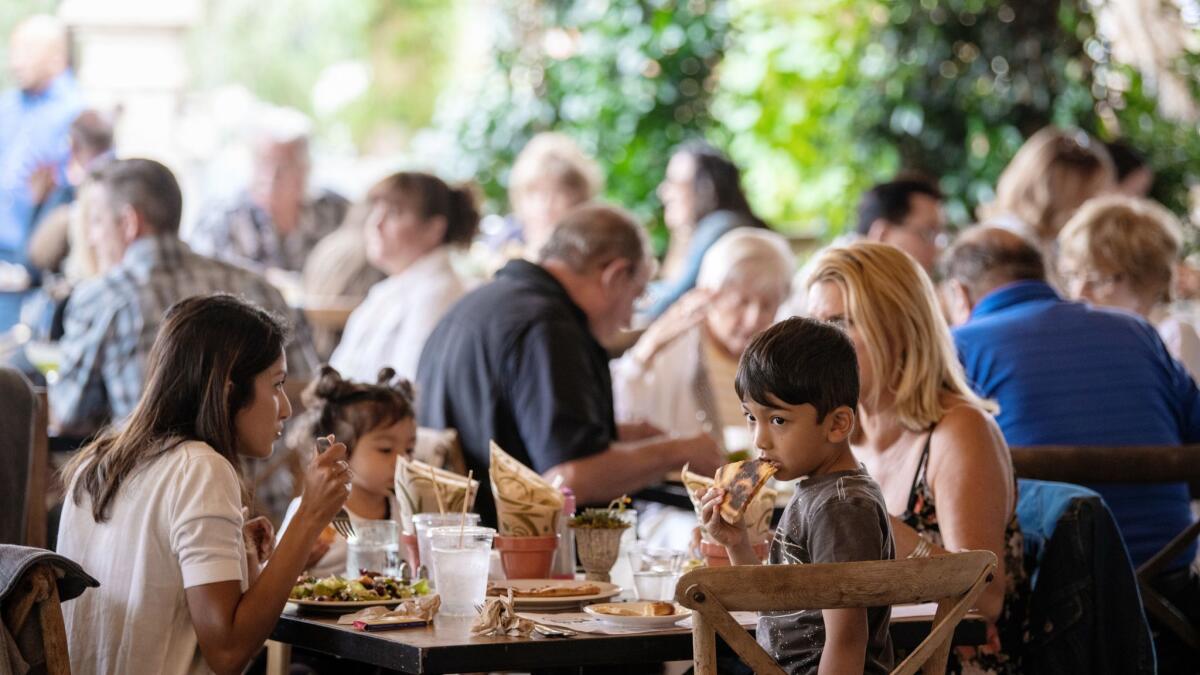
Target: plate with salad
{"x":368,"y":590}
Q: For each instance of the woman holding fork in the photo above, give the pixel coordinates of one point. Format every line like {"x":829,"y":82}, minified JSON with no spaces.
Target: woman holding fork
{"x":154,"y":506}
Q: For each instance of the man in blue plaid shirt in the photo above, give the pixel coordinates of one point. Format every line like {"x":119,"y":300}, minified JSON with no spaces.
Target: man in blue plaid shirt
{"x":111,"y":321}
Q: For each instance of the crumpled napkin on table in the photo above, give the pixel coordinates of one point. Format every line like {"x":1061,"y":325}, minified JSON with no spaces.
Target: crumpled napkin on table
{"x":424,"y":607}
{"x":499,"y":617}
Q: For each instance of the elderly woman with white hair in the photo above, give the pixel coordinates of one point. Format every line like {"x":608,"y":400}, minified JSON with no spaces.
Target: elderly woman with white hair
{"x":679,"y":375}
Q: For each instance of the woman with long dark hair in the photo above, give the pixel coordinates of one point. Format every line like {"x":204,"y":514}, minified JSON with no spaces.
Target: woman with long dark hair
{"x":702,"y":200}
{"x":154,"y":509}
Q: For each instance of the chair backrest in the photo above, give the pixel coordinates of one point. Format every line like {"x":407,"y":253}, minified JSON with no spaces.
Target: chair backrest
{"x":18,"y":428}
{"x":36,"y":599}
{"x":954,"y":581}
{"x":440,"y":448}
{"x":1127,"y":464}
{"x":1108,"y":464}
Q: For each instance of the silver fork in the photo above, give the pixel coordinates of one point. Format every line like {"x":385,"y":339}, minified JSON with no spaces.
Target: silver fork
{"x":341,"y":521}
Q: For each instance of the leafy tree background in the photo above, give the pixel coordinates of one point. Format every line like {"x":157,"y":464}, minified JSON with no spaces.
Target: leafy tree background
{"x":821,"y":99}
{"x":627,"y":79}
{"x":815,"y":99}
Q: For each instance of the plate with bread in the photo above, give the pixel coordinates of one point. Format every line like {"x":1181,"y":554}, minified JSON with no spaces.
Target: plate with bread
{"x":552,"y":593}
{"x":639,"y":614}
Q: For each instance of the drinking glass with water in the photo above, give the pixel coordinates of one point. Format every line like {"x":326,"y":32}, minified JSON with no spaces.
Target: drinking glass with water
{"x":375,"y":546}
{"x":461,"y":556}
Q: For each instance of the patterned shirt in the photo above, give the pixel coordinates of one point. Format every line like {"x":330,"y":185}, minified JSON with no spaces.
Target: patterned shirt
{"x":111,"y":323}
{"x":833,"y":518}
{"x":243,"y":232}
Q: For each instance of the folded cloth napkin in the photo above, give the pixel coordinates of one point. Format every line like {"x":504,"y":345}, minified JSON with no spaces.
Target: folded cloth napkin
{"x":424,"y":607}
{"x":526,"y":505}
{"x":499,"y":617}
{"x":422,"y":488}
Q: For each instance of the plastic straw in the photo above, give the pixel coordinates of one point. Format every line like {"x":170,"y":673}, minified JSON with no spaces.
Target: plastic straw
{"x":462,"y":524}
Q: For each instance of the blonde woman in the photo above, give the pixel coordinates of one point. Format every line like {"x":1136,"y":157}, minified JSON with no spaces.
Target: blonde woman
{"x":924,"y":436}
{"x":1053,"y":173}
{"x":1121,"y":252}
{"x":551,"y":176}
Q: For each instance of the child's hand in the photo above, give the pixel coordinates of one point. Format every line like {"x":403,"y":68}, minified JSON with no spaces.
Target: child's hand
{"x":718,"y":530}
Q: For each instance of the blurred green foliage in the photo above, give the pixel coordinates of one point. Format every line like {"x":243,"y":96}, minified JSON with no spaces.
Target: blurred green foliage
{"x":627,"y":79}
{"x":281,"y":50}
{"x":822,"y":99}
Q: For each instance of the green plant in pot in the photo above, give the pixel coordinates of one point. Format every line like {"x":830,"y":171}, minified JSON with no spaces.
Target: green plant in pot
{"x":598,"y":538}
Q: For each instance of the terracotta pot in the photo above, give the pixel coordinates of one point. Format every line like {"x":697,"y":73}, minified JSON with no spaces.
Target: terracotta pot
{"x":715,"y":554}
{"x":412,"y":551}
{"x":527,"y":557}
{"x":598,"y":550}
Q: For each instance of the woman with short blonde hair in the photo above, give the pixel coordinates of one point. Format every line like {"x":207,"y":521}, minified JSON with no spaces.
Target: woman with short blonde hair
{"x":927,"y":439}
{"x":1053,"y":173}
{"x":1121,"y":252}
{"x":551,"y":176}
{"x":679,"y":375}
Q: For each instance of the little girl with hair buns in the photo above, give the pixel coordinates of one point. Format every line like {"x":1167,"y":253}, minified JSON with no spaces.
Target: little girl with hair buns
{"x":377,"y":425}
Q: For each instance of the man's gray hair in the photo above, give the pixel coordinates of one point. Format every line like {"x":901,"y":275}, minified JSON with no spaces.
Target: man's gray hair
{"x":986,"y":257}
{"x":594,"y":235}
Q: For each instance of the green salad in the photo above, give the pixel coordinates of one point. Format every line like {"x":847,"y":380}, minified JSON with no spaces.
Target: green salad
{"x":369,"y":586}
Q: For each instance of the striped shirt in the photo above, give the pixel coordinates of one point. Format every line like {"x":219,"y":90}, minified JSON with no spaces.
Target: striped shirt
{"x":111,"y":322}
{"x":1065,"y":373}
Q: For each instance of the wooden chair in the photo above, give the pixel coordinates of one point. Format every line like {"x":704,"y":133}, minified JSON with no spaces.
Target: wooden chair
{"x":440,"y":448}
{"x":36,"y":599}
{"x":954,"y":581}
{"x":39,"y":475}
{"x":1127,"y":464}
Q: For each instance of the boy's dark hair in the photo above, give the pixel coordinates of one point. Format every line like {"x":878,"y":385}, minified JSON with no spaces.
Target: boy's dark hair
{"x":800,"y":360}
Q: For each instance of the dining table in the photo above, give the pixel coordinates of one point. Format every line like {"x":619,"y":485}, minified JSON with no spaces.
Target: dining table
{"x":447,"y":646}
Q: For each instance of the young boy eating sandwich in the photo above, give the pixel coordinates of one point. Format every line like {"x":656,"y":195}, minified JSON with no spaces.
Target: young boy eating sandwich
{"x":798,"y":382}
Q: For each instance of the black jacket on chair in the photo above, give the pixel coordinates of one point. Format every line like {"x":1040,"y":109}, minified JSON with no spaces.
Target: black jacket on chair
{"x":1085,"y":613}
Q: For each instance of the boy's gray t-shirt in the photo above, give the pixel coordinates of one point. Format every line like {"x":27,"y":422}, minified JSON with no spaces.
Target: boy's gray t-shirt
{"x":836,"y":517}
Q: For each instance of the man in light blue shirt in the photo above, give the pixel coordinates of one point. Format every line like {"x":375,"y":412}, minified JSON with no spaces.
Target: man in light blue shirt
{"x":34,"y":119}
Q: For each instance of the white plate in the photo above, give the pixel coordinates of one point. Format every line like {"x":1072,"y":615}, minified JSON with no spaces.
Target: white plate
{"x":607,"y":591}
{"x":342,"y":606}
{"x":680,"y":614}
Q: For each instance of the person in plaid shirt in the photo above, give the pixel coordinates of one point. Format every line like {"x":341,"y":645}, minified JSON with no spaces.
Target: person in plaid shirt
{"x":111,"y":321}
{"x":276,"y":222}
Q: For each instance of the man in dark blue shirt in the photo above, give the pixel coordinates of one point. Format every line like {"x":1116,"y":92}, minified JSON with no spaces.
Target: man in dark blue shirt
{"x":1065,"y":373}
{"x":520,"y":361}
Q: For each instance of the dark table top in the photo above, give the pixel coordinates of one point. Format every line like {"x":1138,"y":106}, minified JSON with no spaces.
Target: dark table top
{"x":448,"y":646}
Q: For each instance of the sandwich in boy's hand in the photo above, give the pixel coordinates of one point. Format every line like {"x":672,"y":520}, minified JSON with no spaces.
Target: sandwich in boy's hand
{"x":741,"y":481}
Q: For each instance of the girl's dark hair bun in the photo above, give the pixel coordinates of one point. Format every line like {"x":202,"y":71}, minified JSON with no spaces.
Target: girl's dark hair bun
{"x":328,"y":387}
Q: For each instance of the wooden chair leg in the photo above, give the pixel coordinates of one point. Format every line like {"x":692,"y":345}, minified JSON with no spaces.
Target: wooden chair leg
{"x":704,"y":645}
{"x":279,"y":657}
{"x":1169,"y":616}
{"x":54,"y":631}
{"x":936,"y":665}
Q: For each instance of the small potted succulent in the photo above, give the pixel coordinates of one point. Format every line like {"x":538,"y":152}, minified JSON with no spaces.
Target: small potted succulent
{"x":598,"y":538}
